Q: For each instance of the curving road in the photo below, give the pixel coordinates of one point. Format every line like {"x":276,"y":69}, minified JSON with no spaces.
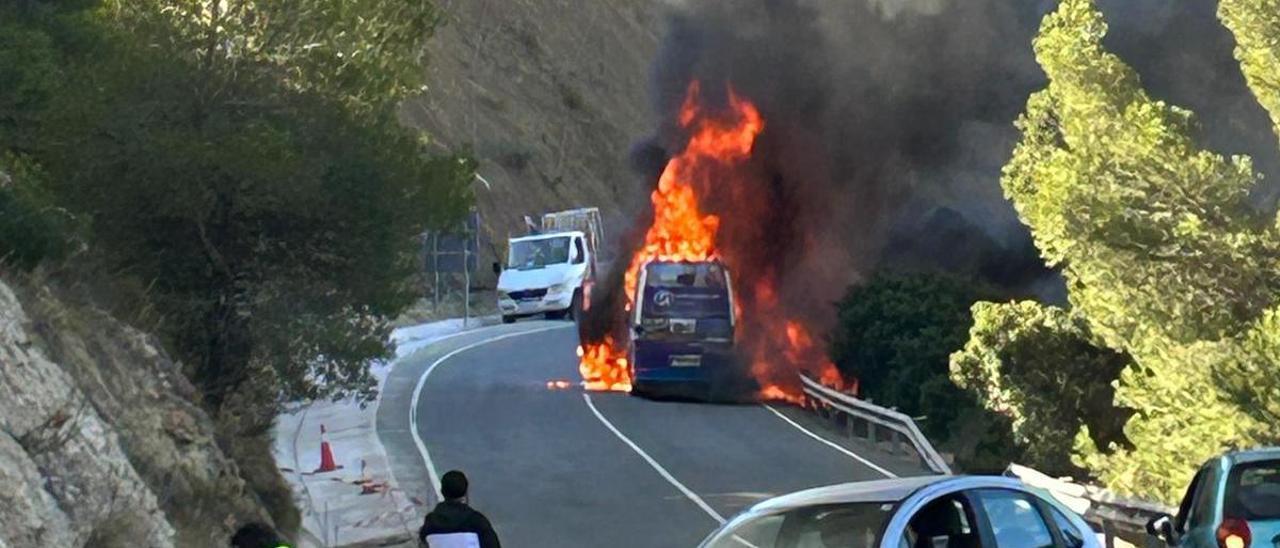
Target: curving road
{"x":560,"y":467}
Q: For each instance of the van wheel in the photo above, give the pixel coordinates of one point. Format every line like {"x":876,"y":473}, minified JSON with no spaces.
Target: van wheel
{"x":508,"y":319}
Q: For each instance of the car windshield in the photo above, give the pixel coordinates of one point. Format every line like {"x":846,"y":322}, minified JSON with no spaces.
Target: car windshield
{"x":1253,"y":491}
{"x":700,"y":275}
{"x":855,"y":525}
{"x":531,"y":254}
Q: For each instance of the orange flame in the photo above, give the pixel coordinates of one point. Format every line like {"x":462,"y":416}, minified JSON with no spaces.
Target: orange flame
{"x":773,"y":392}
{"x":604,"y":368}
{"x":682,"y":232}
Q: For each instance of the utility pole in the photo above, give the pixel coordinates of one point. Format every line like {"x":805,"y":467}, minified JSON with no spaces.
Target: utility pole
{"x":435,"y":262}
{"x":466,"y":282}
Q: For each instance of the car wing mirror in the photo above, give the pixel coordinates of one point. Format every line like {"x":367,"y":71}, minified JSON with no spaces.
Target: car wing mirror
{"x":1161,"y":527}
{"x":497,"y":268}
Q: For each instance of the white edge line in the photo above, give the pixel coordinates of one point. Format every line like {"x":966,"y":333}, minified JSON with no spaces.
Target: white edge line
{"x":433,"y":342}
{"x":373,"y":416}
{"x":653,"y":463}
{"x":417,"y":395}
{"x":833,"y":445}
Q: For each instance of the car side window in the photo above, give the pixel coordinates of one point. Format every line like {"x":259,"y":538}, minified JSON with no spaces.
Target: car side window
{"x":1072,"y":536}
{"x":579,"y":256}
{"x":1203,"y":503}
{"x":1015,"y":519}
{"x":947,"y":521}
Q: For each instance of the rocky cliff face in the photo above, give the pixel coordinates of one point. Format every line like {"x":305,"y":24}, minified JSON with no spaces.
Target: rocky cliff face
{"x":100,"y":443}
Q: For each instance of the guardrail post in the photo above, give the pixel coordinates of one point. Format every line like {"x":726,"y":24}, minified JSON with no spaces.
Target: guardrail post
{"x":871,"y":432}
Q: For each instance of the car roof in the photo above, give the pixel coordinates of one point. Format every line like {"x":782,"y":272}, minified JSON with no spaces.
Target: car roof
{"x":886,"y":491}
{"x":1253,"y":455}
{"x":547,"y":235}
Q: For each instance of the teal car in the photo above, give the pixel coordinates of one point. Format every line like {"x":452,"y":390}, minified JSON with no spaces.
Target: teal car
{"x":1233,"y":502}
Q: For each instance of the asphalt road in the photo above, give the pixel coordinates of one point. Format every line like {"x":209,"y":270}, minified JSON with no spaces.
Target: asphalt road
{"x":560,"y":467}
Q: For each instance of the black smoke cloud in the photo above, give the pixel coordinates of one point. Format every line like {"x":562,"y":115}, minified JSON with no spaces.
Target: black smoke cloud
{"x":888,"y":121}
{"x":886,"y":127}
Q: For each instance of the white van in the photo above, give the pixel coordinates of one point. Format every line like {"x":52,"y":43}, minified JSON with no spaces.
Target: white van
{"x":546,"y":274}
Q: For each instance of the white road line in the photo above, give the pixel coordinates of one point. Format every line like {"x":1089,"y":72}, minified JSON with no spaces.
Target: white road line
{"x":653,"y":463}
{"x":417,"y":394}
{"x":833,"y":445}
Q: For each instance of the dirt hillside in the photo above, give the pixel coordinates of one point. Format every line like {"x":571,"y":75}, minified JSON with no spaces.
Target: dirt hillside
{"x":548,"y":95}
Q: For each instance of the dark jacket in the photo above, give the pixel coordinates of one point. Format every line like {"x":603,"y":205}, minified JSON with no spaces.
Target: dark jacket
{"x":452,"y":519}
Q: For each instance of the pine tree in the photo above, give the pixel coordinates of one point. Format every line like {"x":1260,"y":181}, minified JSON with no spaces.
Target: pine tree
{"x":1165,"y":260}
{"x":1256,"y":25}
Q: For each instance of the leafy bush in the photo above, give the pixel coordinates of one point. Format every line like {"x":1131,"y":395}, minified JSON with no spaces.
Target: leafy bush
{"x":32,"y":228}
{"x":894,"y":335}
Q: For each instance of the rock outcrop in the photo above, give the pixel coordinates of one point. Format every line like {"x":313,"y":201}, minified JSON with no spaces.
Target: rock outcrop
{"x":100,"y":443}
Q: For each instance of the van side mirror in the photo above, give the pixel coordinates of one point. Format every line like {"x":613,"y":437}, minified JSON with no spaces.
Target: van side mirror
{"x":497,"y":268}
{"x":1161,"y":527}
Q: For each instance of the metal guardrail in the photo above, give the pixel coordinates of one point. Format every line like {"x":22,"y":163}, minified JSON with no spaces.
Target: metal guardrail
{"x":1116,"y":518}
{"x":899,"y":426}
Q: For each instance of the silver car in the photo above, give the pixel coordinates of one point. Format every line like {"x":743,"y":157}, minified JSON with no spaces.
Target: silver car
{"x":917,"y":512}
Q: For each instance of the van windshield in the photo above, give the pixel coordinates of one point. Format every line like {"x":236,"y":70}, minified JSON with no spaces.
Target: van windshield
{"x":696,"y":275}
{"x":533,"y":254}
{"x":685,"y":290}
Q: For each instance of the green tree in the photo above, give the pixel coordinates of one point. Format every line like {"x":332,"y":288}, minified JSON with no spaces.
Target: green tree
{"x":1256,"y":25}
{"x":1250,"y":372}
{"x":235,"y":174}
{"x":33,"y":228}
{"x":243,"y":162}
{"x":1165,"y":259}
{"x":1038,"y":365}
{"x":367,"y":54}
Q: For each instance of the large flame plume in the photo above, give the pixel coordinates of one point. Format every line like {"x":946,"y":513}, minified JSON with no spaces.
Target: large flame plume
{"x":774,"y":345}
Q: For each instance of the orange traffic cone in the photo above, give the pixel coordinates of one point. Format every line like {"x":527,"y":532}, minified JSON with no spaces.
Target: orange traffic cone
{"x":327,"y":464}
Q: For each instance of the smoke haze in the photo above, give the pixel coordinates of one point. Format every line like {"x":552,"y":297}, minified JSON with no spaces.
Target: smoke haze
{"x":887,"y":124}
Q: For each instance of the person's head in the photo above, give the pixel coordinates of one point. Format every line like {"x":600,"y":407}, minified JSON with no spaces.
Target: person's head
{"x":257,"y":535}
{"x":453,"y":485}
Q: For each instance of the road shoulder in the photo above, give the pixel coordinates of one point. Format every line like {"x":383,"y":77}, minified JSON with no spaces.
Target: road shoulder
{"x":359,"y":504}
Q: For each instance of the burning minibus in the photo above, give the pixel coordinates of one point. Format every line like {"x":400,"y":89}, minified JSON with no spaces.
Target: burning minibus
{"x":682,"y":332}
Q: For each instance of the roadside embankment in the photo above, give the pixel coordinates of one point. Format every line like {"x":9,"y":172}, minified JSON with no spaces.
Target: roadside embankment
{"x":100,"y":441}
{"x":359,"y":504}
